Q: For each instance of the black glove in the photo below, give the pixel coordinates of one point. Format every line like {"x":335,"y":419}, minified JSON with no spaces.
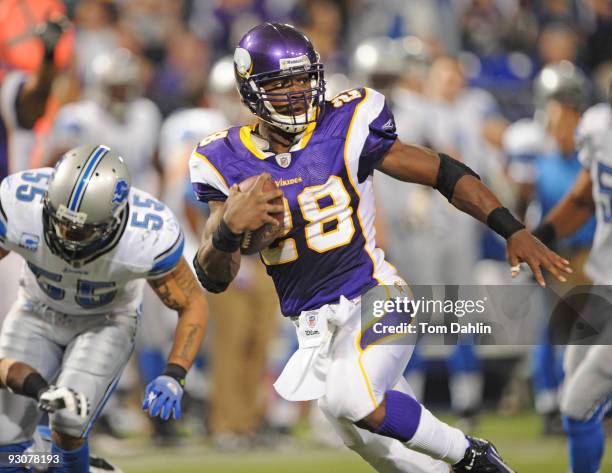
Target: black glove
{"x":50,"y":33}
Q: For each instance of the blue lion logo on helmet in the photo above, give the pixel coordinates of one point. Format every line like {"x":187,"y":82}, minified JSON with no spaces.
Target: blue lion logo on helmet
{"x":120,"y":194}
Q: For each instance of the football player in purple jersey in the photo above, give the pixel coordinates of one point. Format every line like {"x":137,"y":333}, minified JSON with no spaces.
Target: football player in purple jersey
{"x":322,"y":156}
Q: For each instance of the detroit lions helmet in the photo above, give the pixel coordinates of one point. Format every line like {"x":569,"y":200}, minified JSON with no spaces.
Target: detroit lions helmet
{"x":85,"y":203}
{"x":274,"y":51}
{"x":114,"y":80}
{"x":563,"y":82}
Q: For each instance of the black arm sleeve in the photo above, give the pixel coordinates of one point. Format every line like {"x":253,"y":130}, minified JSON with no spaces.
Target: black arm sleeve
{"x":449,"y":173}
{"x":212,"y":286}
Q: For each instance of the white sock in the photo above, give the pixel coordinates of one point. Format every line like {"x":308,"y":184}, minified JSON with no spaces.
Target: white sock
{"x":438,"y":440}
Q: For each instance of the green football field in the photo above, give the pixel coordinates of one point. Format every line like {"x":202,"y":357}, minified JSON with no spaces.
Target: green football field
{"x":517,"y":438}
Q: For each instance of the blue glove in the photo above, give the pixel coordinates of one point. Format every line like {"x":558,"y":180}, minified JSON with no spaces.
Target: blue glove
{"x":164,"y":395}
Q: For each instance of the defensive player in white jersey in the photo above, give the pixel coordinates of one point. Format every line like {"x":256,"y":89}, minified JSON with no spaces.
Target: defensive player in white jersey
{"x":527,"y":139}
{"x":587,"y":389}
{"x":114,"y":112}
{"x":322,"y":155}
{"x":89,"y":242}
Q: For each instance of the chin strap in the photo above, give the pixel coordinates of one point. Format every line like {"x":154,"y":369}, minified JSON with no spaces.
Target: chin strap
{"x":273,"y":134}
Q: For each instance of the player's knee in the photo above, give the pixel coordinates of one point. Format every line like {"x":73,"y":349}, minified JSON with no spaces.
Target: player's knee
{"x":65,"y":441}
{"x":337,"y":404}
{"x":374,"y":419}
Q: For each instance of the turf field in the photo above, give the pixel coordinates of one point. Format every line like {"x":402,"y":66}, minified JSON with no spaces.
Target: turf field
{"x":517,"y":438}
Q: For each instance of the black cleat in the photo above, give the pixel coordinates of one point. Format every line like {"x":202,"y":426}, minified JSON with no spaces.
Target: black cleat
{"x":100,"y":465}
{"x":481,"y":457}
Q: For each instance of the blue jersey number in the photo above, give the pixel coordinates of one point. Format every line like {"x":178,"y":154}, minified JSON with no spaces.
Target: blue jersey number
{"x":44,"y":279}
{"x":604,"y":179}
{"x":150,"y":221}
{"x":27,"y":192}
{"x":35,"y":177}
{"x":90,"y":294}
{"x":148,"y":204}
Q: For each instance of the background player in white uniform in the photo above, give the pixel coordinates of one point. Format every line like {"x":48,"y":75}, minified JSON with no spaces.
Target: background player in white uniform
{"x":89,"y":242}
{"x":113,"y":112}
{"x":583,"y":408}
{"x":328,"y":258}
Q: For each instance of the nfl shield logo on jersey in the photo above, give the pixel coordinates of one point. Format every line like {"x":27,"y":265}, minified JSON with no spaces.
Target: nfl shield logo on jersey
{"x":283,"y":159}
{"x":311,"y":320}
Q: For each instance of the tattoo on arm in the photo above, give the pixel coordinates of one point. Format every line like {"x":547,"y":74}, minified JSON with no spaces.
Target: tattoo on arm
{"x":176,"y":288}
{"x":190,"y":341}
{"x":180,"y":291}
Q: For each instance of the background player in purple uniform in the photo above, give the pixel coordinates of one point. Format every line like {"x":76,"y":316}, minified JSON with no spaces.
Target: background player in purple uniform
{"x":322,"y":155}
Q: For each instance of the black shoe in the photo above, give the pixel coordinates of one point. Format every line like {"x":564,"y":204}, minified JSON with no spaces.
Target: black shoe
{"x":100,"y":465}
{"x":481,"y":457}
{"x":553,"y":425}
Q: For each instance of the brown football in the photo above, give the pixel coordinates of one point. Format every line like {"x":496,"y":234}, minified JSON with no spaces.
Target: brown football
{"x":257,"y":240}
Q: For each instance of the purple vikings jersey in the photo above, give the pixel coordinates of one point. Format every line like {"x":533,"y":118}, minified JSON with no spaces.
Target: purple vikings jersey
{"x":329,"y":248}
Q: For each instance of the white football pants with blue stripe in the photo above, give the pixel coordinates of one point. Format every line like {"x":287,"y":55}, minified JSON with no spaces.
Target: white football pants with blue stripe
{"x":86,"y":353}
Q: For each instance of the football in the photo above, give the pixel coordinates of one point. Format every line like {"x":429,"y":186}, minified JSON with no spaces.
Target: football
{"x":257,"y":240}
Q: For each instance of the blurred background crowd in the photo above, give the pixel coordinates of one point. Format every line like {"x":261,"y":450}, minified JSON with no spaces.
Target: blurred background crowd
{"x":499,"y":84}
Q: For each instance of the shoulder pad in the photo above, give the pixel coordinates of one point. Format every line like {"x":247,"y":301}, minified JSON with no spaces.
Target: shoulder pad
{"x":153,"y":241}
{"x":596,"y":119}
{"x":524,"y":137}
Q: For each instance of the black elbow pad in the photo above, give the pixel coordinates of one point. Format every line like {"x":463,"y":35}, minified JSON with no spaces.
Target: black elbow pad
{"x":449,"y":173}
{"x":211,"y":286}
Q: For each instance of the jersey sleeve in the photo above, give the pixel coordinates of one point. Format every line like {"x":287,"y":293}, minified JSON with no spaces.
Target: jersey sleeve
{"x":378,"y":124}
{"x":68,"y":130}
{"x":593,"y":123}
{"x":168,"y":249}
{"x":207,"y":182}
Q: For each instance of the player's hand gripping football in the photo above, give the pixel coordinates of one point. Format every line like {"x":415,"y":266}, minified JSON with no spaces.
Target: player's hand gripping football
{"x":163,"y":397}
{"x":55,"y":398}
{"x":251,"y":209}
{"x":523,"y":247}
